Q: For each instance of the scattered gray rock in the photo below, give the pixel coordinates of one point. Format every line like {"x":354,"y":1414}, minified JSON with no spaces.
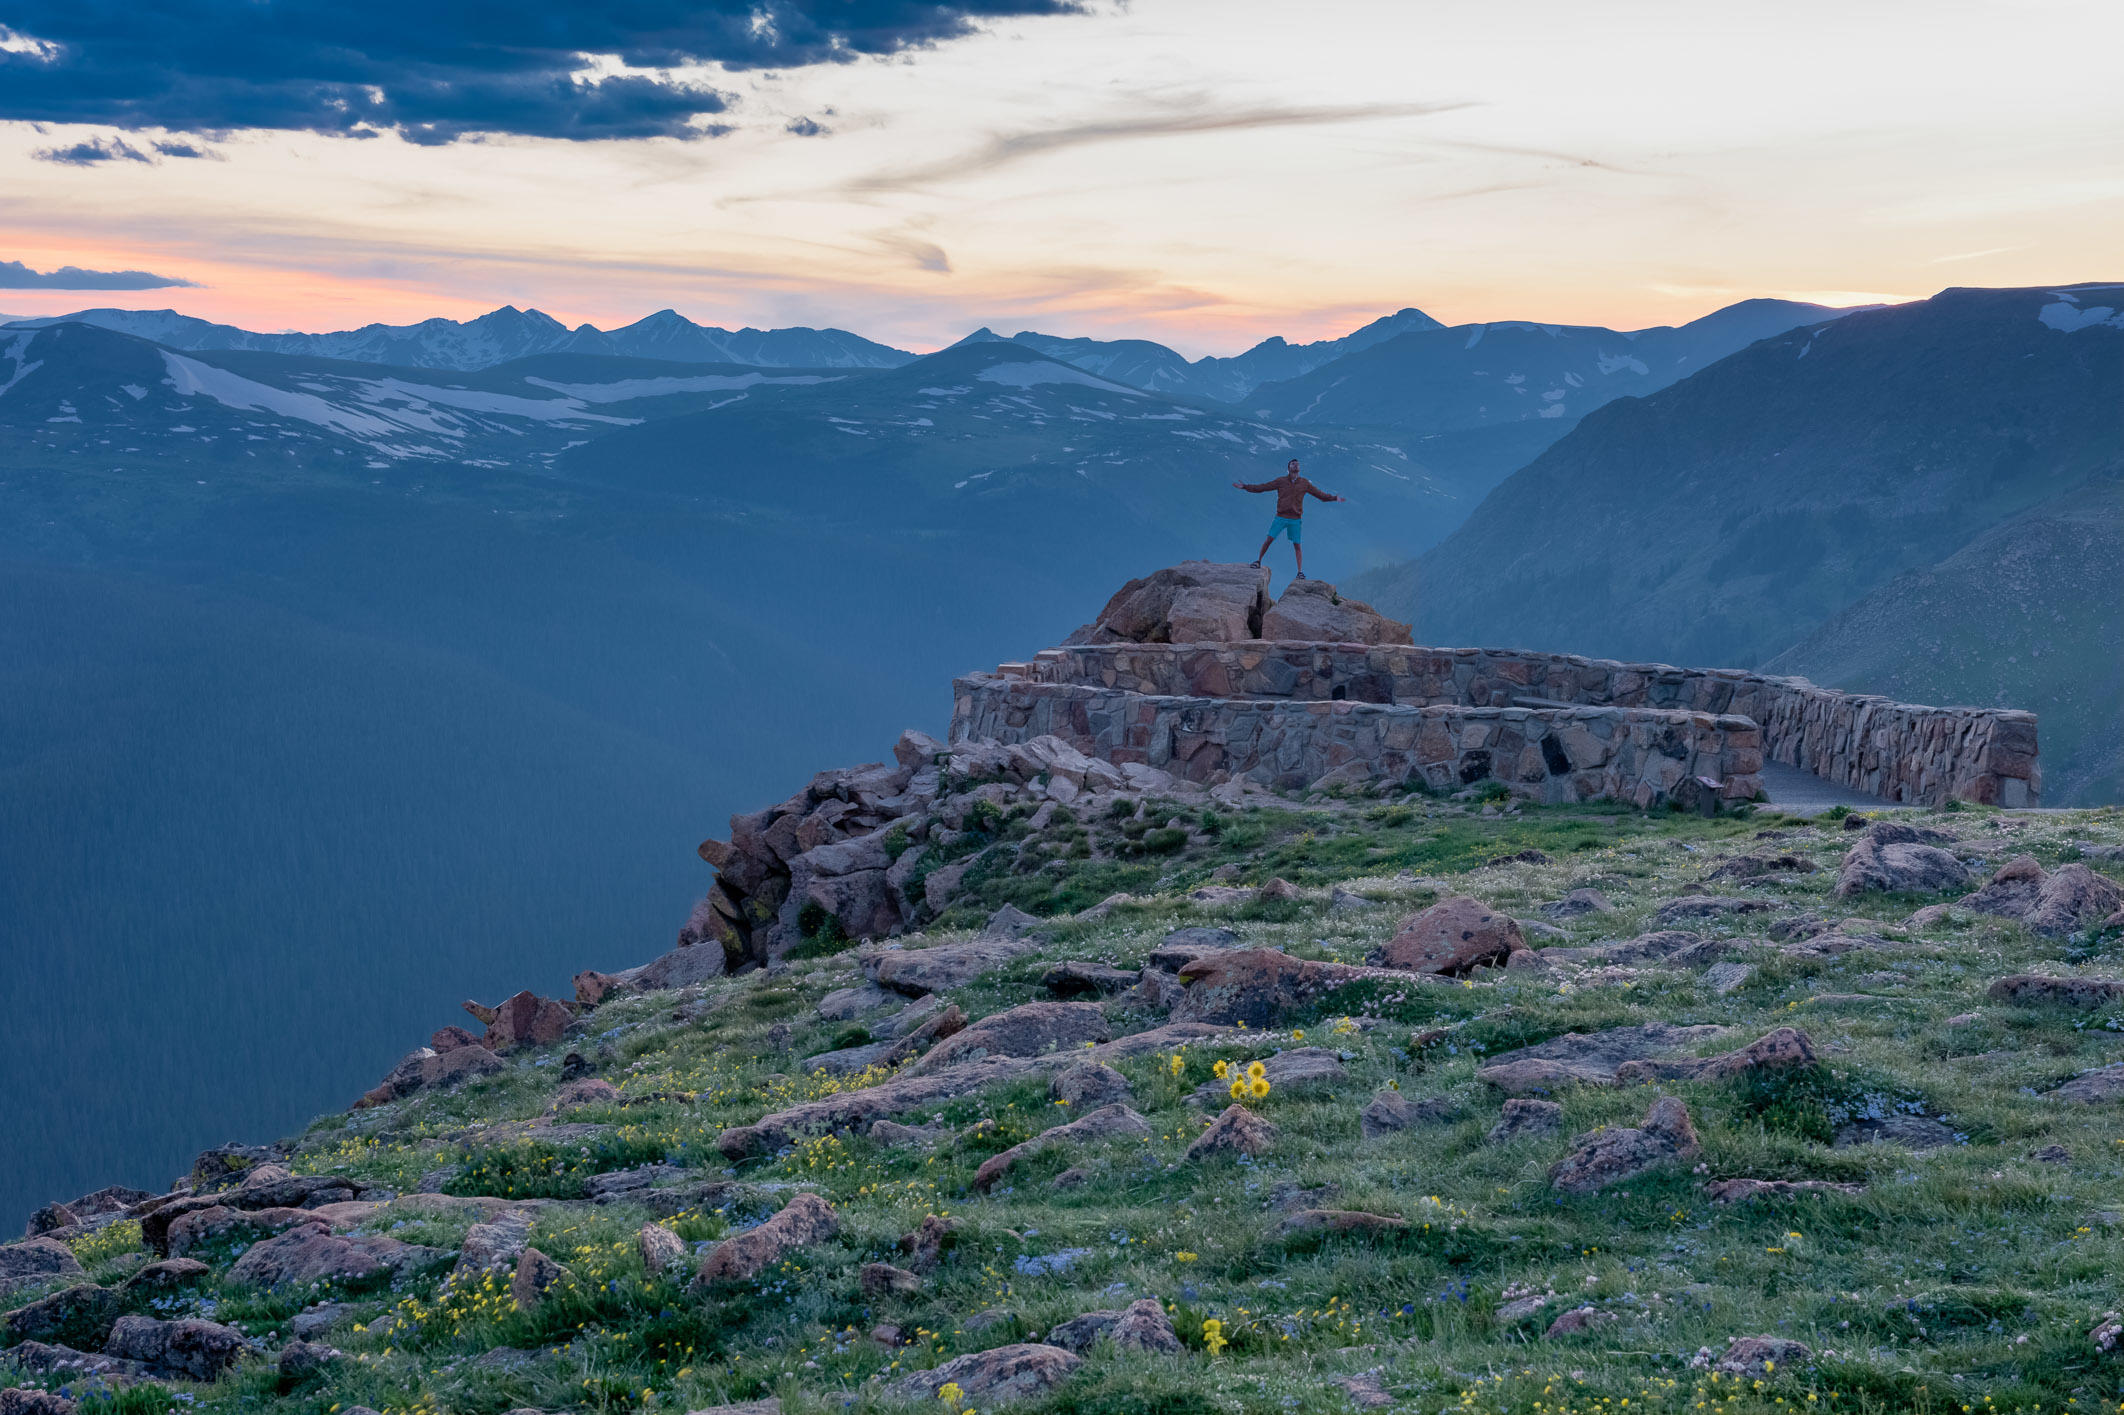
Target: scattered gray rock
{"x":1912,"y":1132}
{"x":1603,"y":1157}
{"x":1525,"y":1119}
{"x":997,"y":1377}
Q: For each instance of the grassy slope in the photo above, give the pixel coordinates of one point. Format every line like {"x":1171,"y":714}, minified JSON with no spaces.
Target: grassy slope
{"x":1965,"y":1277}
{"x":2029,"y":615}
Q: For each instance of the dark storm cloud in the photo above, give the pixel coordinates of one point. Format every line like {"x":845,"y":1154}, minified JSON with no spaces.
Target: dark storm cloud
{"x":14,"y":275}
{"x":434,"y":70}
{"x":92,"y":152}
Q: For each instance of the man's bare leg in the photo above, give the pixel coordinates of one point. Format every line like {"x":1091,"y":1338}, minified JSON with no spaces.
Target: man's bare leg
{"x":1262,"y":553}
{"x":1299,"y":551}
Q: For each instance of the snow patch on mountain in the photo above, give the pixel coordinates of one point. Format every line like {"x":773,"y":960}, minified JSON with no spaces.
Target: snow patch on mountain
{"x":1028,"y":373}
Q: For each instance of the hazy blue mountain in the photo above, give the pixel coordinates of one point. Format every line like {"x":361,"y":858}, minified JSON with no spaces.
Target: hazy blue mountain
{"x":2031,"y":611}
{"x":342,"y":689}
{"x":1722,"y":519}
{"x":505,"y":334}
{"x":1484,"y":375}
{"x":1144,"y":364}
{"x":989,"y":434}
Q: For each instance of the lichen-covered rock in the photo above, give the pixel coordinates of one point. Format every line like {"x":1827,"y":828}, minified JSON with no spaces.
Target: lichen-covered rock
{"x":662,"y":1251}
{"x":943,"y":966}
{"x":926,"y":1246}
{"x":191,"y":1349}
{"x":300,"y":1360}
{"x":2053,"y":904}
{"x":885,"y":1280}
{"x":312,"y":1253}
{"x":80,"y":1315}
{"x":1385,"y":1114}
{"x":28,"y":1400}
{"x":2094,"y":1087}
{"x":1076,"y":978}
{"x":1194,"y":602}
{"x":33,"y":1261}
{"x":1261,"y":987}
{"x":1451,"y":938}
{"x":804,"y":1220}
{"x":1106,"y":1123}
{"x":1088,"y":1084}
{"x":1314,"y":611}
{"x":1695,"y":908}
{"x":536,"y":1276}
{"x":1030,"y":1029}
{"x":2041,"y":990}
{"x":1238,"y":1131}
{"x":1588,"y":1058}
{"x":1523,"y":1118}
{"x":1603,"y":1157}
{"x":220,"y":1223}
{"x":165,"y":1276}
{"x":997,"y":1377}
{"x":1782,"y":1049}
{"x":1899,"y":858}
{"x":1341,"y":1223}
{"x":523,"y":1020}
{"x":1761,"y":1355}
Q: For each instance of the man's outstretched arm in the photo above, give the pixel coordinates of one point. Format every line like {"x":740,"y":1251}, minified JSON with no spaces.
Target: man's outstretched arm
{"x":1314,"y":491}
{"x":1253,"y":486}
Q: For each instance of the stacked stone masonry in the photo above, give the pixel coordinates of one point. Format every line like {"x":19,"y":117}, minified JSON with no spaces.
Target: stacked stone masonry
{"x":1274,"y":711}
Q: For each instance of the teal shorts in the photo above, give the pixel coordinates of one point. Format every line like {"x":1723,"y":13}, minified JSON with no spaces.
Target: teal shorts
{"x":1286,"y":526}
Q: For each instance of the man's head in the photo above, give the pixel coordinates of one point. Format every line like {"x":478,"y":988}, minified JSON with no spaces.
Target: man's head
{"x":1291,"y":467}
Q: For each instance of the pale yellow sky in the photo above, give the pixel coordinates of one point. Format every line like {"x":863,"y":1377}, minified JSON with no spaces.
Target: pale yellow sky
{"x":1202,"y":172}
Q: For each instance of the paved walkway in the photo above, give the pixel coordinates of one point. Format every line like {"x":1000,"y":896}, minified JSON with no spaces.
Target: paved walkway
{"x":1802,"y":793}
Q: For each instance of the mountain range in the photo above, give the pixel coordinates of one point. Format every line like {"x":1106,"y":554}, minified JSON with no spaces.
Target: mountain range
{"x":1914,"y":452}
{"x":338,"y":674}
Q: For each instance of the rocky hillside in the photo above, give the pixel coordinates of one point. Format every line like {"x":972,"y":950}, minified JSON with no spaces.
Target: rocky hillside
{"x":1183,"y":1102}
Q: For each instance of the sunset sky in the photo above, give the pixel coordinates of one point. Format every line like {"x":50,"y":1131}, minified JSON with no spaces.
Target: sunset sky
{"x":1202,"y":172}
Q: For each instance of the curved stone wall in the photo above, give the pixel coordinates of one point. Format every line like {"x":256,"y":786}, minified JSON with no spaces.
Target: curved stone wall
{"x":1899,"y":751}
{"x":1638,"y":755}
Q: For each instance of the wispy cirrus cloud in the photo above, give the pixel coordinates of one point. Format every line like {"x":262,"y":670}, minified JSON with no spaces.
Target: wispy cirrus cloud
{"x":14,"y":275}
{"x":1162,"y":121}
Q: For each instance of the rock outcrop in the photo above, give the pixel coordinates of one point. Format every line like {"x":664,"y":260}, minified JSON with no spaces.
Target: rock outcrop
{"x":1898,"y":858}
{"x":2071,"y":900}
{"x":1313,"y":611}
{"x":1194,"y":602}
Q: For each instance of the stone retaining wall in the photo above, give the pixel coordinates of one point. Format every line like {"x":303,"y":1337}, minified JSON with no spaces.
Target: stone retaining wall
{"x":1639,"y":755}
{"x":1899,"y":751}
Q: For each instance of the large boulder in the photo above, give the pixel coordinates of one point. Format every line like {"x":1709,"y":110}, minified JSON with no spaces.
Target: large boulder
{"x":1030,"y":1029}
{"x":1603,"y":1157}
{"x":1238,"y":1131}
{"x":1452,"y":937}
{"x":1106,"y":1123}
{"x":191,"y":1349}
{"x":1311,"y":611}
{"x":523,"y":1020}
{"x":2037,"y":990}
{"x":1194,"y":602}
{"x":1261,"y":987}
{"x":1784,"y":1049}
{"x":34,"y":1261}
{"x":1299,"y":1069}
{"x":74,"y":1316}
{"x":312,"y":1253}
{"x":805,"y":1219}
{"x":1588,"y":1058}
{"x":1899,"y":859}
{"x":987,"y":1378}
{"x":2053,"y":904}
{"x":944,"y":966}
{"x":1143,"y":1326}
